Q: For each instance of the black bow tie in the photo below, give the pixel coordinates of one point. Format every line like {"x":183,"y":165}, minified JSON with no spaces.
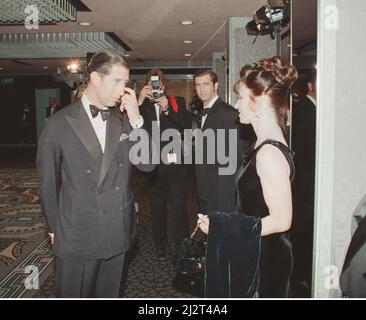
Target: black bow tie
{"x":105,"y":113}
{"x":205,"y":111}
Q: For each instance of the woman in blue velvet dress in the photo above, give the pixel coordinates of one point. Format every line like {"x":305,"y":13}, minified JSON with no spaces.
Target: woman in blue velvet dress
{"x":264,"y":178}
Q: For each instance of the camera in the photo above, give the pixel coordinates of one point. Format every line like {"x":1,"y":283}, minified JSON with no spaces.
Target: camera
{"x":195,"y":108}
{"x":156,"y":92}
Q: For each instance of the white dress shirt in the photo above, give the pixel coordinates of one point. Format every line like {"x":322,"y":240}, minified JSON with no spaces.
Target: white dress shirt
{"x":206,"y":107}
{"x":99,"y":126}
{"x":157,"y":111}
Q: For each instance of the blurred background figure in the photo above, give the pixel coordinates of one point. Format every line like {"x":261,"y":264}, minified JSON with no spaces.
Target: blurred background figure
{"x":25,"y":125}
{"x":303,"y":144}
{"x":53,"y":107}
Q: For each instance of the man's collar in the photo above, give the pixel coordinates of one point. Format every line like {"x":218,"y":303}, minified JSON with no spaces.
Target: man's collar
{"x":86,"y":104}
{"x":211,"y":103}
{"x":85,"y":99}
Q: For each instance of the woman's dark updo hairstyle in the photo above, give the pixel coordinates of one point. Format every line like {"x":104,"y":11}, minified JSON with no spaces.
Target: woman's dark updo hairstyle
{"x":271,"y":77}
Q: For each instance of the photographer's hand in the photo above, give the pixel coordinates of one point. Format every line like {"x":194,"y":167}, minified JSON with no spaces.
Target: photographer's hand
{"x":144,"y":93}
{"x":163,"y":103}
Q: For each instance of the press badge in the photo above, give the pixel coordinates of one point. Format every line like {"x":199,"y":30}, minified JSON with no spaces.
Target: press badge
{"x":172,"y":158}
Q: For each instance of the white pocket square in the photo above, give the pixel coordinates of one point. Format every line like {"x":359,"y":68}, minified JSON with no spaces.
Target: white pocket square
{"x":124,"y":136}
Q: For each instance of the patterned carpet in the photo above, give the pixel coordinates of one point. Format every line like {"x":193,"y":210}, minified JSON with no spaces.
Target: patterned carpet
{"x":23,"y":239}
{"x":23,"y":242}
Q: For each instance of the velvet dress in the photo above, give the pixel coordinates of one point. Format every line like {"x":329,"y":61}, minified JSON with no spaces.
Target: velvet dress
{"x":276,"y":251}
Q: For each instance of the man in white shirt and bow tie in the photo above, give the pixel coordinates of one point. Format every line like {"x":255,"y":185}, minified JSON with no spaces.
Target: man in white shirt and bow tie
{"x":216,"y":192}
{"x":84,"y":168}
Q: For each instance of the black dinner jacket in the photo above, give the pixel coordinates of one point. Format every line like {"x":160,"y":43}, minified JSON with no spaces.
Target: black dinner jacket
{"x":218,"y":191}
{"x":86,"y":195}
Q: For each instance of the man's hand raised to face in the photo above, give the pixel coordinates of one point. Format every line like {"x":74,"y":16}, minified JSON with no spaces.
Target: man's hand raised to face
{"x":129,"y":104}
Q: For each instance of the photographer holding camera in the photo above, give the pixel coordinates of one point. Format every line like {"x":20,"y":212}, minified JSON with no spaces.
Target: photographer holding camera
{"x":169,"y":177}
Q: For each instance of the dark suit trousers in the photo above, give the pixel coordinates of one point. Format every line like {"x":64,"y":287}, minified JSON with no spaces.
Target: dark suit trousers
{"x":162,"y":184}
{"x":89,"y":279}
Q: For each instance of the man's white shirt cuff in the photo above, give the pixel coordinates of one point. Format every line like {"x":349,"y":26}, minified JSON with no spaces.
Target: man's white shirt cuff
{"x":138,"y":123}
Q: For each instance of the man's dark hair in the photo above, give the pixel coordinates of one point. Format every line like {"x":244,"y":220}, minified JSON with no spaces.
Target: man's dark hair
{"x":204,"y":72}
{"x":103,"y":61}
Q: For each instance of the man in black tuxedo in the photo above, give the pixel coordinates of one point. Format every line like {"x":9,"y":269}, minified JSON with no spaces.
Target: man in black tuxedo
{"x":53,"y":107}
{"x":216,"y":188}
{"x":84,"y":164}
{"x":169,"y":178}
{"x":303,"y":144}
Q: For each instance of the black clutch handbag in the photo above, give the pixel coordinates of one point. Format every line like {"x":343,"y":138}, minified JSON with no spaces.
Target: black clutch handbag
{"x":189,"y":266}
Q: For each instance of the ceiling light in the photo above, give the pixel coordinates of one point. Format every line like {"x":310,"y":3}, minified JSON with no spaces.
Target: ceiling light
{"x":45,"y":67}
{"x":1,"y":68}
{"x":85,"y":23}
{"x":188,"y":54}
{"x":186,"y":22}
{"x":187,"y":41}
{"x":73,"y":67}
